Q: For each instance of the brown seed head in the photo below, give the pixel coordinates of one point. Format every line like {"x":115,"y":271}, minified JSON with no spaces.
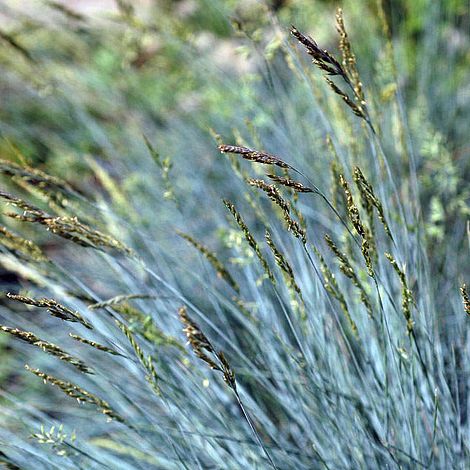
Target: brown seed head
{"x":254,"y":155}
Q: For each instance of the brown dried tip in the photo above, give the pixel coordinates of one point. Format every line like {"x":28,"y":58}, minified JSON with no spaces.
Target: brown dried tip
{"x":254,"y":155}
{"x":321,"y":58}
{"x":199,"y":342}
{"x":356,"y":109}
{"x":289,"y":183}
{"x":229,"y":374}
{"x":465,"y":299}
{"x":197,"y":339}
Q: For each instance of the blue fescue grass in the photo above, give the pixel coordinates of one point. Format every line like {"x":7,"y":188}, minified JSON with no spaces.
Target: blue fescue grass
{"x":311,"y":391}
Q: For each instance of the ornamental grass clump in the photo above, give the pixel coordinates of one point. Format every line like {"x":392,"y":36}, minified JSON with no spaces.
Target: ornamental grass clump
{"x":285,"y":308}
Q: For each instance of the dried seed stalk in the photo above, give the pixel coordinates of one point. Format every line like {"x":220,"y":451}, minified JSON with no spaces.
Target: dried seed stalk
{"x":254,"y":155}
{"x":47,"y":347}
{"x":222,"y":272}
{"x":290,"y":183}
{"x":95,"y":345}
{"x":465,"y":299}
{"x":333,"y":289}
{"x":283,"y":264}
{"x":250,"y":239}
{"x":146,"y":361}
{"x":273,"y":193}
{"x":19,"y":244}
{"x":201,"y":346}
{"x":348,"y":271}
{"x":69,"y":228}
{"x":74,"y":391}
{"x":53,"y":307}
{"x":407,"y":295}
{"x":354,"y":217}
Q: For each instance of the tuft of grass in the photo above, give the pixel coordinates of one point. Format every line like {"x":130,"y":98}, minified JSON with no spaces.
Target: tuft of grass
{"x":353,"y":355}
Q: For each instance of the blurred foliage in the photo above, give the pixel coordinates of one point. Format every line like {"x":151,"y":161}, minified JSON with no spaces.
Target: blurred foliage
{"x":81,"y":88}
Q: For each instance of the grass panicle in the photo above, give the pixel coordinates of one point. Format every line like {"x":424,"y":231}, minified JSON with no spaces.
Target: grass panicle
{"x":283,"y":264}
{"x":47,"y":347}
{"x":332,"y":287}
{"x":290,"y":183}
{"x":320,"y":57}
{"x":80,"y":394}
{"x":53,"y":307}
{"x":95,"y":345}
{"x":119,"y":299}
{"x":355,"y":218}
{"x":201,"y":346}
{"x":406,"y":293}
{"x":147,"y":362}
{"x":349,"y":59}
{"x":370,"y":199}
{"x":254,"y":155}
{"x":165,"y":165}
{"x":357,"y":110}
{"x":21,"y":245}
{"x":331,"y":67}
{"x":69,"y":228}
{"x":348,"y":270}
{"x":220,"y":269}
{"x":250,"y":239}
{"x":197,"y":339}
{"x":273,"y":193}
{"x":139,"y":322}
{"x":36,"y":178}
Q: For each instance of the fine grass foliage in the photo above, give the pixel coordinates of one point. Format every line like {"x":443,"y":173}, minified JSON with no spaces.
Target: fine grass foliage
{"x":266,"y":272}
